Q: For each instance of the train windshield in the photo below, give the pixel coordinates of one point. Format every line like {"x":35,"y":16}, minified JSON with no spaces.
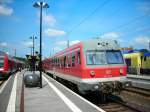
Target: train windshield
{"x":95,"y":58}
{"x":114,"y":57}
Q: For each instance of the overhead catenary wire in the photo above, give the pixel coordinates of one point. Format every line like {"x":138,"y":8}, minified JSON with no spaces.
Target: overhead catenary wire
{"x":127,"y":23}
{"x":142,"y":30}
{"x":85,"y":18}
{"x":95,"y":10}
{"x":118,"y":10}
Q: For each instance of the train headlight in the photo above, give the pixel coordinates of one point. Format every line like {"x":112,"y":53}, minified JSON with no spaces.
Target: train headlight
{"x":96,"y":87}
{"x":127,"y":85}
{"x":92,"y":73}
{"x":121,"y":71}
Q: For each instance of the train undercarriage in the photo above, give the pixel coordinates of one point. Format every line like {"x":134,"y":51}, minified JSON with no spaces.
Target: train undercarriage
{"x":102,"y":88}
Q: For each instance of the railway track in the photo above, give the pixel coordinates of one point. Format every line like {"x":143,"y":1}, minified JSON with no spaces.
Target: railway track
{"x":115,"y":107}
{"x":139,"y":91}
{"x":114,"y":104}
{"x":135,"y":100}
{"x":1,"y":82}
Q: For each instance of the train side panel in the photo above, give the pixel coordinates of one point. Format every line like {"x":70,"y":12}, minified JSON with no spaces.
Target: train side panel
{"x":8,"y":65}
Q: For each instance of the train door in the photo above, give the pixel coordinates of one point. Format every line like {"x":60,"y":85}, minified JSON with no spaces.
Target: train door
{"x":128,"y":63}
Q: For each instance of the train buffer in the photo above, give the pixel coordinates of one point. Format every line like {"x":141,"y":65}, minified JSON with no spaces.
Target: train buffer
{"x":52,"y":97}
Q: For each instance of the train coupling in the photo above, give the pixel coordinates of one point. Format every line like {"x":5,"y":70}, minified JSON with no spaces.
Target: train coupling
{"x":113,"y":87}
{"x":106,"y":87}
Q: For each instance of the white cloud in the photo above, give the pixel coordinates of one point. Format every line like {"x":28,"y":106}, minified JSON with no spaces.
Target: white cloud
{"x":74,"y":42}
{"x":6,"y":1}
{"x":54,"y":33}
{"x":56,"y":49}
{"x":4,"y":10}
{"x":48,"y":19}
{"x":61,"y":43}
{"x":28,"y":44}
{"x":144,"y":6}
{"x":7,"y":53}
{"x":3,"y":44}
{"x":111,"y":35}
{"x":142,"y":40}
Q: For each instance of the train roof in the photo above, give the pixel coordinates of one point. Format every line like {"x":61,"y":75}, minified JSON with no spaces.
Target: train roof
{"x":135,"y":51}
{"x":68,"y":49}
{"x":147,"y":54}
{"x":101,"y":44}
{"x":135,"y":54}
{"x":94,"y":43}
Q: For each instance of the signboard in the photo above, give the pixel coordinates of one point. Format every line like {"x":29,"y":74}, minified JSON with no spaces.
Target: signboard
{"x":32,"y":58}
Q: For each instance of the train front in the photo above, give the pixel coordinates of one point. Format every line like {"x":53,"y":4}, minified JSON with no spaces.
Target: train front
{"x":104,"y":68}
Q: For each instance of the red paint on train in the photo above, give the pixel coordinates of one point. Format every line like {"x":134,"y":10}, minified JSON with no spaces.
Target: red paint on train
{"x":72,"y":63}
{"x":8,"y":65}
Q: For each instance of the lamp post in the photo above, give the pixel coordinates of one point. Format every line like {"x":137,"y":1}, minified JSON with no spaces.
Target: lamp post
{"x":40,"y":5}
{"x":15,"y":52}
{"x":33,"y":61}
{"x":149,"y":45}
{"x":33,"y":38}
{"x":31,"y":50}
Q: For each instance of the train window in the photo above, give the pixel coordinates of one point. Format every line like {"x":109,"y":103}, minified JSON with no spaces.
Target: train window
{"x":95,"y":57}
{"x":114,"y":57}
{"x":128,"y":61}
{"x":73,"y":59}
{"x":1,"y":62}
{"x":57,"y":61}
{"x":78,"y":58}
{"x":65,"y":61}
{"x":68,"y":60}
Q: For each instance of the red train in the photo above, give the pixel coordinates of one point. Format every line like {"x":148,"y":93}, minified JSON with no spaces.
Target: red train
{"x":93,"y":65}
{"x":8,"y":65}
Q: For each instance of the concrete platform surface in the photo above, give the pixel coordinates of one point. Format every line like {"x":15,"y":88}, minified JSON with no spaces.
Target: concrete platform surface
{"x":10,"y":93}
{"x":54,"y":97}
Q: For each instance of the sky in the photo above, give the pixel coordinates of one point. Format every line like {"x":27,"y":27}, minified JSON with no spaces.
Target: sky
{"x":127,"y":21}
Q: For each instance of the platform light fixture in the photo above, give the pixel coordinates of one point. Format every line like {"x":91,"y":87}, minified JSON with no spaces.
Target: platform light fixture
{"x":33,"y":38}
{"x":40,"y":5}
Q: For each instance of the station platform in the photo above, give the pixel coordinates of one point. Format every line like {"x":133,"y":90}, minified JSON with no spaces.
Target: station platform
{"x":52,"y":97}
{"x":139,"y":81}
